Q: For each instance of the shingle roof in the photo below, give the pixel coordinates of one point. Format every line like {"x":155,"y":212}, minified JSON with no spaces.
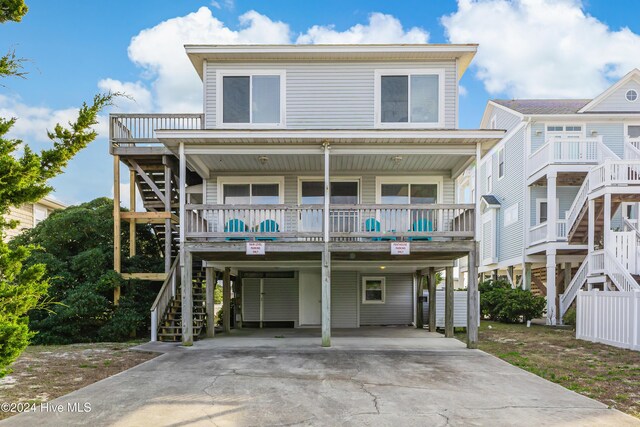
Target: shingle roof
{"x":490,"y":200}
{"x":544,"y":106}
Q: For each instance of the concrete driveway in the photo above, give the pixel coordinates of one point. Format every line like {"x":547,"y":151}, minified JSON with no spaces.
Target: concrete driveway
{"x":378,"y":376}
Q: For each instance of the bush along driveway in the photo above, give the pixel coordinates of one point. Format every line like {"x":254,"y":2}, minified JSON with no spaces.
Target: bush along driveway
{"x":608,"y":374}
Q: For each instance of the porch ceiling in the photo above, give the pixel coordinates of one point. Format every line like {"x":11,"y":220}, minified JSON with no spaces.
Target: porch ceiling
{"x":310,"y":163}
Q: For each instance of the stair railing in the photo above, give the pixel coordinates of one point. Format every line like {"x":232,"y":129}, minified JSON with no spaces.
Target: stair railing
{"x":574,"y":286}
{"x":167,"y":292}
{"x":621,"y":278}
{"x":578,"y":202}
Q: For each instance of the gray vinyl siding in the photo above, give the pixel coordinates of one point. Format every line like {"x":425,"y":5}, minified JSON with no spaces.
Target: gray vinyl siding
{"x":509,"y":190}
{"x":337,"y":95}
{"x":504,"y":119}
{"x":616,"y":101}
{"x":398,"y":306}
{"x":251,"y":300}
{"x":537,"y":136}
{"x":612,"y":135}
{"x":281,"y":301}
{"x":565,"y":195}
{"x":344,"y":299}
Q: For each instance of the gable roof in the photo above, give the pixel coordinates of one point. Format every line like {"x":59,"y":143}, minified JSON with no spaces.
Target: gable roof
{"x":490,"y":201}
{"x":543,"y":106}
{"x":631,"y":75}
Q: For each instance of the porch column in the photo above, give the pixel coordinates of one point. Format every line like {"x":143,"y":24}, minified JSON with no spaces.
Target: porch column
{"x":472,"y":301}
{"x":132,"y":207}
{"x":432,"y":299}
{"x":187,"y":299}
{"x":607,"y":219}
{"x":592,"y":230}
{"x":209,"y":307}
{"x":526,"y":277}
{"x":419,"y":302}
{"x":183,"y":197}
{"x":117,"y":266}
{"x":167,"y":222}
{"x":326,"y":256}
{"x":551,"y":287}
{"x":552,"y":207}
{"x":567,"y":276}
{"x":448,"y":303}
{"x":512,"y":276}
{"x":226,"y":300}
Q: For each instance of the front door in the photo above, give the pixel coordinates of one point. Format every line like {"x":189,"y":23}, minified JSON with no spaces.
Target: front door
{"x":310,"y":298}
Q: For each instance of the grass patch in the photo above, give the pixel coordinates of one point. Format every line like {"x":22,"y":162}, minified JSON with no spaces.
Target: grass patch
{"x":43,"y":373}
{"x":608,"y":374}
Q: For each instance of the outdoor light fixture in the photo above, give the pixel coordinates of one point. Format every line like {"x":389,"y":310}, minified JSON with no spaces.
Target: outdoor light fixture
{"x":382,"y":267}
{"x":263,"y":159}
{"x":396,"y":159}
{"x":594,"y":132}
{"x":538,"y":132}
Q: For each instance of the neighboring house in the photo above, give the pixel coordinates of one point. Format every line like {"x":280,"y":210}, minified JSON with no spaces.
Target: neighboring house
{"x":307,"y":167}
{"x":564,"y":182}
{"x":30,"y":214}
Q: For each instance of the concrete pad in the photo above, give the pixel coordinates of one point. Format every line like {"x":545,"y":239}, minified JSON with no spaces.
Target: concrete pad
{"x":293,"y":381}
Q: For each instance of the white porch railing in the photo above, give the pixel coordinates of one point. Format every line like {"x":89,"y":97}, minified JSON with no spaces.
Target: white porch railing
{"x":596,"y":262}
{"x":561,"y":229}
{"x":620,"y":277}
{"x":295,"y":222}
{"x":615,"y":172}
{"x":566,"y":151}
{"x":609,"y":317}
{"x":625,"y":247}
{"x":139,"y":129}
{"x":634,"y":142}
{"x":578,"y":203}
{"x":575,"y":285}
{"x":538,"y":234}
{"x":167,"y":292}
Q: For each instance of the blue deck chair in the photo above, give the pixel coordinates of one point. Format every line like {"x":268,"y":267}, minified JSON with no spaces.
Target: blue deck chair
{"x":372,"y":225}
{"x":421,"y":225}
{"x":268,"y":226}
{"x":236,"y":226}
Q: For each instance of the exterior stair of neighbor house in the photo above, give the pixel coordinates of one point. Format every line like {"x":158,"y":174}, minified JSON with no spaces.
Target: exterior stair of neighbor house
{"x":170,"y":328}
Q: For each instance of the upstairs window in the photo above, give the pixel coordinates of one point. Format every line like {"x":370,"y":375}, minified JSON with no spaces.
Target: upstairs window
{"x":251,"y":99}
{"x":410,"y":99}
{"x":489,"y":169}
{"x":501,"y":163}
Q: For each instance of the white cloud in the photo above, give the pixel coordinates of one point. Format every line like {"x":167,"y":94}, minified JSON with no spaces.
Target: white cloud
{"x":381,"y":28}
{"x":137,"y":96}
{"x":227,"y":4}
{"x":542,"y":48}
{"x":33,"y":122}
{"x":462,"y":91}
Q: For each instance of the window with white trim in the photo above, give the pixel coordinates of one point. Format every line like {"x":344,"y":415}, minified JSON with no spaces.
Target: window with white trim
{"x":489,"y":169}
{"x":373,"y":290}
{"x":251,"y":194}
{"x":410,"y":98}
{"x":631,"y":95}
{"x":39,"y":215}
{"x":501,"y":163}
{"x":564,"y":131}
{"x":494,"y":122}
{"x":511,"y":215}
{"x":254,"y":99}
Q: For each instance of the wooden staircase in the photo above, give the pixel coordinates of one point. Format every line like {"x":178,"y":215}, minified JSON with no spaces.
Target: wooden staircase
{"x":170,"y":329}
{"x":579,"y":233}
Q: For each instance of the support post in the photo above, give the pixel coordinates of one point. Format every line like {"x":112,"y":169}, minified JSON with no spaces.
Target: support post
{"x":326,"y":256}
{"x":567,"y":275}
{"x":132,"y":206}
{"x":187,"y":299}
{"x":552,"y":312}
{"x":183,"y":196}
{"x":419,"y":302}
{"x":591,"y":231}
{"x":473,"y":305}
{"x":226,"y":300}
{"x":167,"y":222}
{"x":209,"y":307}
{"x":552,"y":207}
{"x":512,"y":276}
{"x":432,"y":299}
{"x":448,"y":303}
{"x":607,"y":219}
{"x":117,"y":264}
{"x":526,"y":278}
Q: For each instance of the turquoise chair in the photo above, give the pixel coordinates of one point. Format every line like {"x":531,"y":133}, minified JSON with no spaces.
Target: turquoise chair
{"x":236,"y":226}
{"x":372,"y":225}
{"x":421,"y":225}
{"x":268,"y":226}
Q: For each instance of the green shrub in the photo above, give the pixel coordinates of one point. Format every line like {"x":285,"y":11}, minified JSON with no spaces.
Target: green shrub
{"x":500,"y":302}
{"x":217,"y":295}
{"x":570,"y":317}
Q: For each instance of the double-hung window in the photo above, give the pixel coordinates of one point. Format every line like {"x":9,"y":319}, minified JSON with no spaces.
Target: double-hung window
{"x":410,"y":98}
{"x":373,"y":290}
{"x":501,"y":163}
{"x":255,"y":99}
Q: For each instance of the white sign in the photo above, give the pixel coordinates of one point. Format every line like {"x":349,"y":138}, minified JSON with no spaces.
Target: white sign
{"x":400,"y":248}
{"x":255,"y":248}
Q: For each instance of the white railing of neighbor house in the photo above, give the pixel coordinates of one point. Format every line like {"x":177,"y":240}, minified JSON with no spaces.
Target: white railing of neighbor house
{"x":129,"y":129}
{"x":379,"y":222}
{"x":538,"y":233}
{"x":625,"y":247}
{"x":634,"y":142}
{"x":566,"y":151}
{"x":596,"y":262}
{"x":578,"y":203}
{"x":167,"y":292}
{"x":615,"y":172}
{"x":561,"y":229}
{"x":575,"y":285}
{"x":611,"y":318}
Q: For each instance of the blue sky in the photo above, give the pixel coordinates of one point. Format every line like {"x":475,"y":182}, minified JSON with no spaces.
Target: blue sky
{"x":528,"y":48}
